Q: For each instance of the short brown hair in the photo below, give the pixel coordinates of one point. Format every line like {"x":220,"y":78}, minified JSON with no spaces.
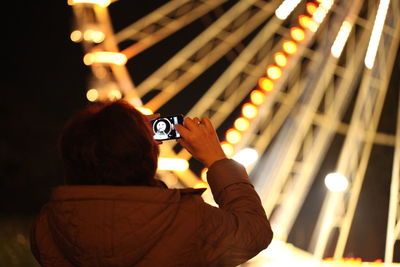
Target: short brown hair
{"x":108,"y":144}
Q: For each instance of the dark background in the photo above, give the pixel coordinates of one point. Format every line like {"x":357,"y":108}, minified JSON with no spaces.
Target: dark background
{"x":44,"y":82}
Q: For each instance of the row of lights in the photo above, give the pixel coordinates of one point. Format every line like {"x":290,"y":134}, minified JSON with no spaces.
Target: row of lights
{"x":92,"y":33}
{"x":274,"y":71}
{"x":316,"y":12}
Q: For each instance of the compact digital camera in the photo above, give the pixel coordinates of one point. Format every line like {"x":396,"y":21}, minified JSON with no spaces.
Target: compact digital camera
{"x":164,"y":127}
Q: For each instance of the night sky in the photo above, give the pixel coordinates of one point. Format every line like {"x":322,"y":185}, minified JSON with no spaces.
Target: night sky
{"x":44,"y":82}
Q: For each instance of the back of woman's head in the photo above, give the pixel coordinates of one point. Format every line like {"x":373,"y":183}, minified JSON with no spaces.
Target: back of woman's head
{"x":108,"y":144}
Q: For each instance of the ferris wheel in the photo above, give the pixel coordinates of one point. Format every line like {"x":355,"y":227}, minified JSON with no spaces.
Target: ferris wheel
{"x":284,"y":77}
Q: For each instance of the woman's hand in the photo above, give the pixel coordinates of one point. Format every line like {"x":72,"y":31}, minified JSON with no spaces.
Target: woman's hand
{"x":201,"y":140}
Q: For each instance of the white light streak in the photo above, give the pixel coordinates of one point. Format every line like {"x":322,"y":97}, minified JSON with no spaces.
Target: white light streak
{"x":341,"y":39}
{"x":105,"y":57}
{"x":172,"y":164}
{"x":246,"y":156}
{"x":102,"y":3}
{"x":284,"y":10}
{"x":376,"y":33}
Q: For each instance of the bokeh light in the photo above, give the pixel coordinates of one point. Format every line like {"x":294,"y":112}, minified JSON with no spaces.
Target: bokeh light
{"x":92,"y":95}
{"x":297,"y":34}
{"x":311,"y":8}
{"x":290,"y":47}
{"x":249,"y":111}
{"x":304,"y":21}
{"x":242,"y":124}
{"x":105,"y":57}
{"x":227,"y":148}
{"x":246,"y":156}
{"x":257,"y":97}
{"x":280,"y":59}
{"x":233,"y":136}
{"x":76,"y":36}
{"x":266,"y":84}
{"x":336,"y":182}
{"x":102,"y":3}
{"x":274,"y":72}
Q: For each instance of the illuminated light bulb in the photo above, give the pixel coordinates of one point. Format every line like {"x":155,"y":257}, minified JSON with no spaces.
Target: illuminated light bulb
{"x":311,"y":8}
{"x":76,"y":36}
{"x":280,"y":59}
{"x":376,"y":33}
{"x":341,"y":39}
{"x":92,"y":95}
{"x":94,"y":36}
{"x":203,"y":174}
{"x":257,"y":97}
{"x":249,"y":111}
{"x":297,"y":34}
{"x":105,"y":57}
{"x":242,"y":124}
{"x":227,"y":148}
{"x":266,"y":84}
{"x":304,"y":21}
{"x":102,"y":3}
{"x":274,"y":72}
{"x":336,"y":182}
{"x":233,"y":136}
{"x":114,"y":94}
{"x":144,"y":110}
{"x":246,"y":156}
{"x":172,"y":164}
{"x":284,"y":10}
{"x":290,"y":47}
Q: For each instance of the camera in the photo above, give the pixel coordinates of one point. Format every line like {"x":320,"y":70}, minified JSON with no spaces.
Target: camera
{"x":164,"y":127}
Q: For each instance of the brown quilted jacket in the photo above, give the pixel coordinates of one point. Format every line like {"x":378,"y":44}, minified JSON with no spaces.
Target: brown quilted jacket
{"x":153,"y":226}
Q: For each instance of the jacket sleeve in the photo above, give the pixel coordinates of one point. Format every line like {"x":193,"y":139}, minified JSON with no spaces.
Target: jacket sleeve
{"x":237,"y":230}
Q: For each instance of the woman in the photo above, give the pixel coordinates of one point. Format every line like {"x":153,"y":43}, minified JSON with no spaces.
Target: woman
{"x":112,"y":211}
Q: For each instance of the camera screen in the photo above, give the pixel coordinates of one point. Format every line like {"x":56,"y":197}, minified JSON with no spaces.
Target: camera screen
{"x":164,"y":129}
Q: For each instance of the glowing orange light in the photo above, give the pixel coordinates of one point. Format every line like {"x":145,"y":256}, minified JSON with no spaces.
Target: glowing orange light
{"x":242,"y":124}
{"x":102,"y":3}
{"x":289,"y":47}
{"x":266,"y":84}
{"x":297,"y":34}
{"x":203,"y":174}
{"x":280,"y":59}
{"x":257,"y":97}
{"x":311,"y":8}
{"x":105,"y":57}
{"x":304,"y":21}
{"x":94,"y":35}
{"x":249,"y":111}
{"x":227,"y":148}
{"x":233,"y":136}
{"x":274,"y":72}
{"x":92,"y":95}
{"x":76,"y":36}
